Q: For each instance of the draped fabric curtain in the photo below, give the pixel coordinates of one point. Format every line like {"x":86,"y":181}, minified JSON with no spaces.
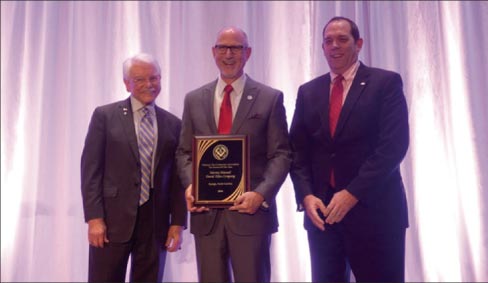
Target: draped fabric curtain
{"x":61,"y":59}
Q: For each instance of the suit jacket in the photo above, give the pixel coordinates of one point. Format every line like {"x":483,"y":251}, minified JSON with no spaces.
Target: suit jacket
{"x":371,"y":140}
{"x":111,"y":172}
{"x":260,"y":115}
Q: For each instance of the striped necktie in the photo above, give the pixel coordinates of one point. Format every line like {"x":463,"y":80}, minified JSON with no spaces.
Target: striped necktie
{"x":146,"y":145}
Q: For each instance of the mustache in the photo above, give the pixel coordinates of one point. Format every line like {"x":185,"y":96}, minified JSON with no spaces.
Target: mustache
{"x":151,"y":90}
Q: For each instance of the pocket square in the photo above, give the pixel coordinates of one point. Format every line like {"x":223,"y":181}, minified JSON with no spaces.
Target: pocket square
{"x":255,"y":116}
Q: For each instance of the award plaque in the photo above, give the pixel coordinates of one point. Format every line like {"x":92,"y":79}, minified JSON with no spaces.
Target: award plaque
{"x":220,"y":169}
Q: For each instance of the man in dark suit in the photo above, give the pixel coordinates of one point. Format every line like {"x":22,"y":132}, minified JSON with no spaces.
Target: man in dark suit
{"x":348,"y":146}
{"x":242,"y":233}
{"x":132,"y":197}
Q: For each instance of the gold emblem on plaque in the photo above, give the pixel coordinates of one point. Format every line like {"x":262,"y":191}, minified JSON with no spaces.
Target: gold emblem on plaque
{"x":220,"y":152}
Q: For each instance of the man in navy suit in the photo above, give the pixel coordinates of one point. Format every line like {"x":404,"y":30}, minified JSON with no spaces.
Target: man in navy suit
{"x":122,"y":222}
{"x":346,"y":167}
{"x":239,"y":236}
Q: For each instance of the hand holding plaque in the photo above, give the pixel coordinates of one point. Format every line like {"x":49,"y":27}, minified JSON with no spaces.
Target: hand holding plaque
{"x":220,"y":169}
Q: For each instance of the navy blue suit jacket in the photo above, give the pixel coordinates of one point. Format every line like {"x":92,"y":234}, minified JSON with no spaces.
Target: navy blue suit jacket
{"x":371,"y":140}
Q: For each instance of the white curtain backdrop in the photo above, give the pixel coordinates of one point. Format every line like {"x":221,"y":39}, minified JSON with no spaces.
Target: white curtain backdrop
{"x":61,"y":59}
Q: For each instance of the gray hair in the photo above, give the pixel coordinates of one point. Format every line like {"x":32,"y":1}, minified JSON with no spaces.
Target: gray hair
{"x":141,"y":57}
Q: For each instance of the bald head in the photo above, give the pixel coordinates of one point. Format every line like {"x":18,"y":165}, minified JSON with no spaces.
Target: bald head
{"x":235,"y":32}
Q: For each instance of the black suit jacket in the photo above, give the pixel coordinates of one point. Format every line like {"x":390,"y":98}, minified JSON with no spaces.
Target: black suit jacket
{"x":371,"y":140}
{"x":260,"y":115}
{"x":111,"y":175}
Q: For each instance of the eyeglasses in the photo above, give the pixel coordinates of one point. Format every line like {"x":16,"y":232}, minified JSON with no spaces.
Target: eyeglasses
{"x":234,"y":49}
{"x":141,"y":81}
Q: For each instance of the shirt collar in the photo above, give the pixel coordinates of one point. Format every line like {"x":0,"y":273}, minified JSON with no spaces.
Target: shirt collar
{"x":237,"y":85}
{"x":348,"y":74}
{"x":137,"y":105}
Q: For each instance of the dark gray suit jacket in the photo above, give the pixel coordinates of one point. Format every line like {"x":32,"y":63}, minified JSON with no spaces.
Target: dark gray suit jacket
{"x":260,"y":115}
{"x":371,"y":140}
{"x":111,"y":175}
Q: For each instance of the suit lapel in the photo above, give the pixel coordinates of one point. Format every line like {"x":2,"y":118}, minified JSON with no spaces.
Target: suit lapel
{"x":161,"y":135}
{"x":207,"y":103}
{"x":358,"y":85}
{"x":321,"y":101}
{"x":127,"y":120}
{"x":249,"y":95}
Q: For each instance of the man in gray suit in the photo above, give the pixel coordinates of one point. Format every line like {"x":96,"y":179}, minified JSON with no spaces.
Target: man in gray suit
{"x":242,"y":233}
{"x":132,"y":198}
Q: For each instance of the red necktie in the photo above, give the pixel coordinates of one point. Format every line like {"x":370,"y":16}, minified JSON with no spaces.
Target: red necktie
{"x":335,"y":103}
{"x":225,"y":118}
{"x":335,"y":111}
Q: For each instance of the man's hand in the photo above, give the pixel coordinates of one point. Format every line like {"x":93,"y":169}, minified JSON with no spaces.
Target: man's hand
{"x":249,"y":202}
{"x":339,"y":206}
{"x":174,"y":239}
{"x":190,"y":200}
{"x":312,"y":204}
{"x":97,"y":232}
